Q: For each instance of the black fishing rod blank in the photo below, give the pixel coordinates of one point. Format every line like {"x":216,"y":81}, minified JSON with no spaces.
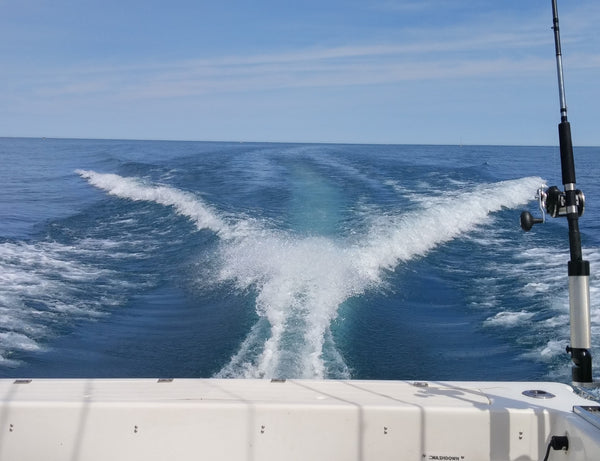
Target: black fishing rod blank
{"x":569,"y":203}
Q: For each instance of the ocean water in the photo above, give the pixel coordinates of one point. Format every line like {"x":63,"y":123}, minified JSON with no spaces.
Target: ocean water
{"x":197,"y":259}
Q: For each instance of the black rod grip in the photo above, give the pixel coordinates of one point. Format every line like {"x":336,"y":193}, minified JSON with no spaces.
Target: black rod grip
{"x":567,"y":162}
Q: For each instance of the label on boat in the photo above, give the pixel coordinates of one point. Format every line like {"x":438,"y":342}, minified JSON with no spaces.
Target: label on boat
{"x":445,"y":458}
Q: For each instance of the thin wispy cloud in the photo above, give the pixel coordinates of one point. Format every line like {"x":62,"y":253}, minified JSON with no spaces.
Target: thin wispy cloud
{"x":366,"y":64}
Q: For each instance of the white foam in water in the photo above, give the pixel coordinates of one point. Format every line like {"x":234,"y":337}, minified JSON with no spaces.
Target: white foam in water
{"x":544,"y":296}
{"x":300,"y":282}
{"x":38,"y":284}
{"x":554,"y":348}
{"x":185,"y":203}
{"x":399,"y":238}
{"x":508,"y":319}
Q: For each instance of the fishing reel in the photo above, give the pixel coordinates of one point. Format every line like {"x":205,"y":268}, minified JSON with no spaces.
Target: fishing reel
{"x":554,"y":202}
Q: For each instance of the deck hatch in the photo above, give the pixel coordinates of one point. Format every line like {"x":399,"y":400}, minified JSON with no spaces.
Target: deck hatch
{"x":538,"y":394}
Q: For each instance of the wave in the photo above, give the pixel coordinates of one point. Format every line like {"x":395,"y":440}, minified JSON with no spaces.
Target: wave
{"x":184,"y":203}
{"x":398,"y":238}
{"x":540,"y":304}
{"x":300,"y":282}
{"x":41,"y":287}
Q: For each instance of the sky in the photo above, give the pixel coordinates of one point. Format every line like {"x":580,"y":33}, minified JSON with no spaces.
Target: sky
{"x":349,"y":71}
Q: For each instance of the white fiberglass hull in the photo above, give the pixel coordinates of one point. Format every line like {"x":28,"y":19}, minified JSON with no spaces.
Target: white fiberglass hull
{"x":185,"y":419}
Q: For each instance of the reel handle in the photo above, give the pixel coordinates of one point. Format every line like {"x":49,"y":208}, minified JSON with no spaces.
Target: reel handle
{"x":527,"y":221}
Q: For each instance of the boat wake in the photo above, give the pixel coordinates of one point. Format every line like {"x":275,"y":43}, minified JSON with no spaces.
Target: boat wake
{"x":300,"y":282}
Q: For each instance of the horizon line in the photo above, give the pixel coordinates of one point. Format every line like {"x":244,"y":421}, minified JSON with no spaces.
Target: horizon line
{"x":58,"y":138}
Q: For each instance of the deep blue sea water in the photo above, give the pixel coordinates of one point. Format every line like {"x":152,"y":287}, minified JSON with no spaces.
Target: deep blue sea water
{"x":197,"y":259}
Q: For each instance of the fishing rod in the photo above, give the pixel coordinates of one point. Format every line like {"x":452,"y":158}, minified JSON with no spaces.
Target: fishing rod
{"x":569,"y":203}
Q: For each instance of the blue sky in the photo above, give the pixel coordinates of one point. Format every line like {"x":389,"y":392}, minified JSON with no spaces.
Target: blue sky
{"x":380,"y":71}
